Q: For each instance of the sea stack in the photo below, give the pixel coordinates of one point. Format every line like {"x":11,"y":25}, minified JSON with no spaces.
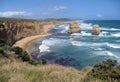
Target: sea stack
{"x":74,"y":28}
{"x":96,"y":29}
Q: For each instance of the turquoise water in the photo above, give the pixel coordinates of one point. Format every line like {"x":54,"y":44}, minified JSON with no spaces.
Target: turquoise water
{"x":79,"y":50}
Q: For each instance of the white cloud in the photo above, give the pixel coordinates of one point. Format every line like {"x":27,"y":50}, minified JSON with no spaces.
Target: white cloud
{"x":14,"y":13}
{"x":99,"y":15}
{"x":57,"y":8}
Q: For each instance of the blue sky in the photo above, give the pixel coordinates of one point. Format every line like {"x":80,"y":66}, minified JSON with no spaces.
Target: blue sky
{"x":83,"y":9}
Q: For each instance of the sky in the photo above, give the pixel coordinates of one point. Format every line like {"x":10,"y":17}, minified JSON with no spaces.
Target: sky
{"x":80,"y":9}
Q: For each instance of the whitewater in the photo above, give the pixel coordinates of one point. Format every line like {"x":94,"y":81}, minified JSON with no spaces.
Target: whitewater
{"x":79,"y":49}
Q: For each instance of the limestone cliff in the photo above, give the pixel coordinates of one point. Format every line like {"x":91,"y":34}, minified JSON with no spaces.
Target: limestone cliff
{"x":12,"y":30}
{"x":95,"y":30}
{"x":74,"y":27}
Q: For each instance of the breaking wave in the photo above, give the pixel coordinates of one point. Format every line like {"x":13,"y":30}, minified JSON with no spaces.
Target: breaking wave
{"x":95,"y":48}
{"x":114,"y":45}
{"x":47,"y":43}
{"x":85,"y":26}
{"x":116,"y":34}
{"x":111,"y":54}
{"x":78,"y":43}
{"x":112,"y":29}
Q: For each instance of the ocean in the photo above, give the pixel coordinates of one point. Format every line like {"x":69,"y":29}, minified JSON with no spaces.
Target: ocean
{"x":79,"y":50}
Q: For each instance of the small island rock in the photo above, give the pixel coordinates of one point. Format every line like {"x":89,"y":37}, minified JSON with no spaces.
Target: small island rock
{"x":74,"y":27}
{"x":96,"y":29}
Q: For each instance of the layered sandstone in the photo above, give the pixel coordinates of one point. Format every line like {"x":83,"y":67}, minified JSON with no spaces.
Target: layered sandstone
{"x":74,"y":27}
{"x":13,"y":30}
{"x":96,"y":29}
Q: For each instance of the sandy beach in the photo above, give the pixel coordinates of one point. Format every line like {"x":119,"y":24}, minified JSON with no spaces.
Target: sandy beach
{"x":23,"y":43}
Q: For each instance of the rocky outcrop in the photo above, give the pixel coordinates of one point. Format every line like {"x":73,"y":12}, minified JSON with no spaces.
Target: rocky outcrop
{"x":74,"y":27}
{"x":95,"y":30}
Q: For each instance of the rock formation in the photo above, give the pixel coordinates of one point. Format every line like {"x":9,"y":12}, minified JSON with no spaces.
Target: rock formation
{"x":95,"y":30}
{"x":12,"y":30}
{"x":74,"y":27}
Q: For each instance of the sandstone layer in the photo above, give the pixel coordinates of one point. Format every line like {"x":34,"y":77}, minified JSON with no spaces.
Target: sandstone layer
{"x":13,"y":30}
{"x":95,"y":30}
{"x":74,"y":27}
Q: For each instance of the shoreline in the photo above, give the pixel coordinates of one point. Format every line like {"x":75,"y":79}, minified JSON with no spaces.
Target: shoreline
{"x":23,"y":43}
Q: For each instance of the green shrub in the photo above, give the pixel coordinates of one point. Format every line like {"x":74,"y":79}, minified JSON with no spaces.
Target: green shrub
{"x":21,"y":54}
{"x":17,"y":50}
{"x":25,"y":56}
{"x":33,"y":62}
{"x":1,"y":50}
{"x":106,"y":70}
{"x":2,"y":42}
{"x":42,"y":61}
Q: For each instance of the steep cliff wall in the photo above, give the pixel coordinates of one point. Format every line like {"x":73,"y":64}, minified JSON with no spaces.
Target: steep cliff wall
{"x":12,"y":30}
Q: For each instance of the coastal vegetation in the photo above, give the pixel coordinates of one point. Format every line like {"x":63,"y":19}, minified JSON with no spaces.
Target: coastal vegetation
{"x":17,"y":66}
{"x":6,"y":50}
{"x":108,"y":71}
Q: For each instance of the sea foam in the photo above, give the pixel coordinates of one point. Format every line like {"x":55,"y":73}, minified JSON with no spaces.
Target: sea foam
{"x":83,"y":33}
{"x":111,"y":54}
{"x":114,"y":45}
{"x":116,"y":35}
{"x":86,"y":26}
{"x":79,"y":43}
{"x":112,"y":29}
{"x":47,"y":43}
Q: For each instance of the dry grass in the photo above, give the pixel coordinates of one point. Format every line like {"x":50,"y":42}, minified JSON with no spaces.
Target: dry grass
{"x":16,"y":71}
{"x":12,"y":70}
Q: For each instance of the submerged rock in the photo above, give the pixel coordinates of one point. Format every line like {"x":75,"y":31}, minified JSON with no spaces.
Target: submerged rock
{"x":74,"y":27}
{"x":95,"y":30}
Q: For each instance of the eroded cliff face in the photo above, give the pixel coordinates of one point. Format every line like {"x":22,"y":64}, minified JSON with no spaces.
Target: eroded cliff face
{"x":13,"y":31}
{"x":74,"y":27}
{"x":96,"y":29}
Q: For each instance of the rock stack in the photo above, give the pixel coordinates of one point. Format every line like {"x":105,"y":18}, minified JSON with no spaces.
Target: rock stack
{"x":95,"y":30}
{"x":74,"y":28}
